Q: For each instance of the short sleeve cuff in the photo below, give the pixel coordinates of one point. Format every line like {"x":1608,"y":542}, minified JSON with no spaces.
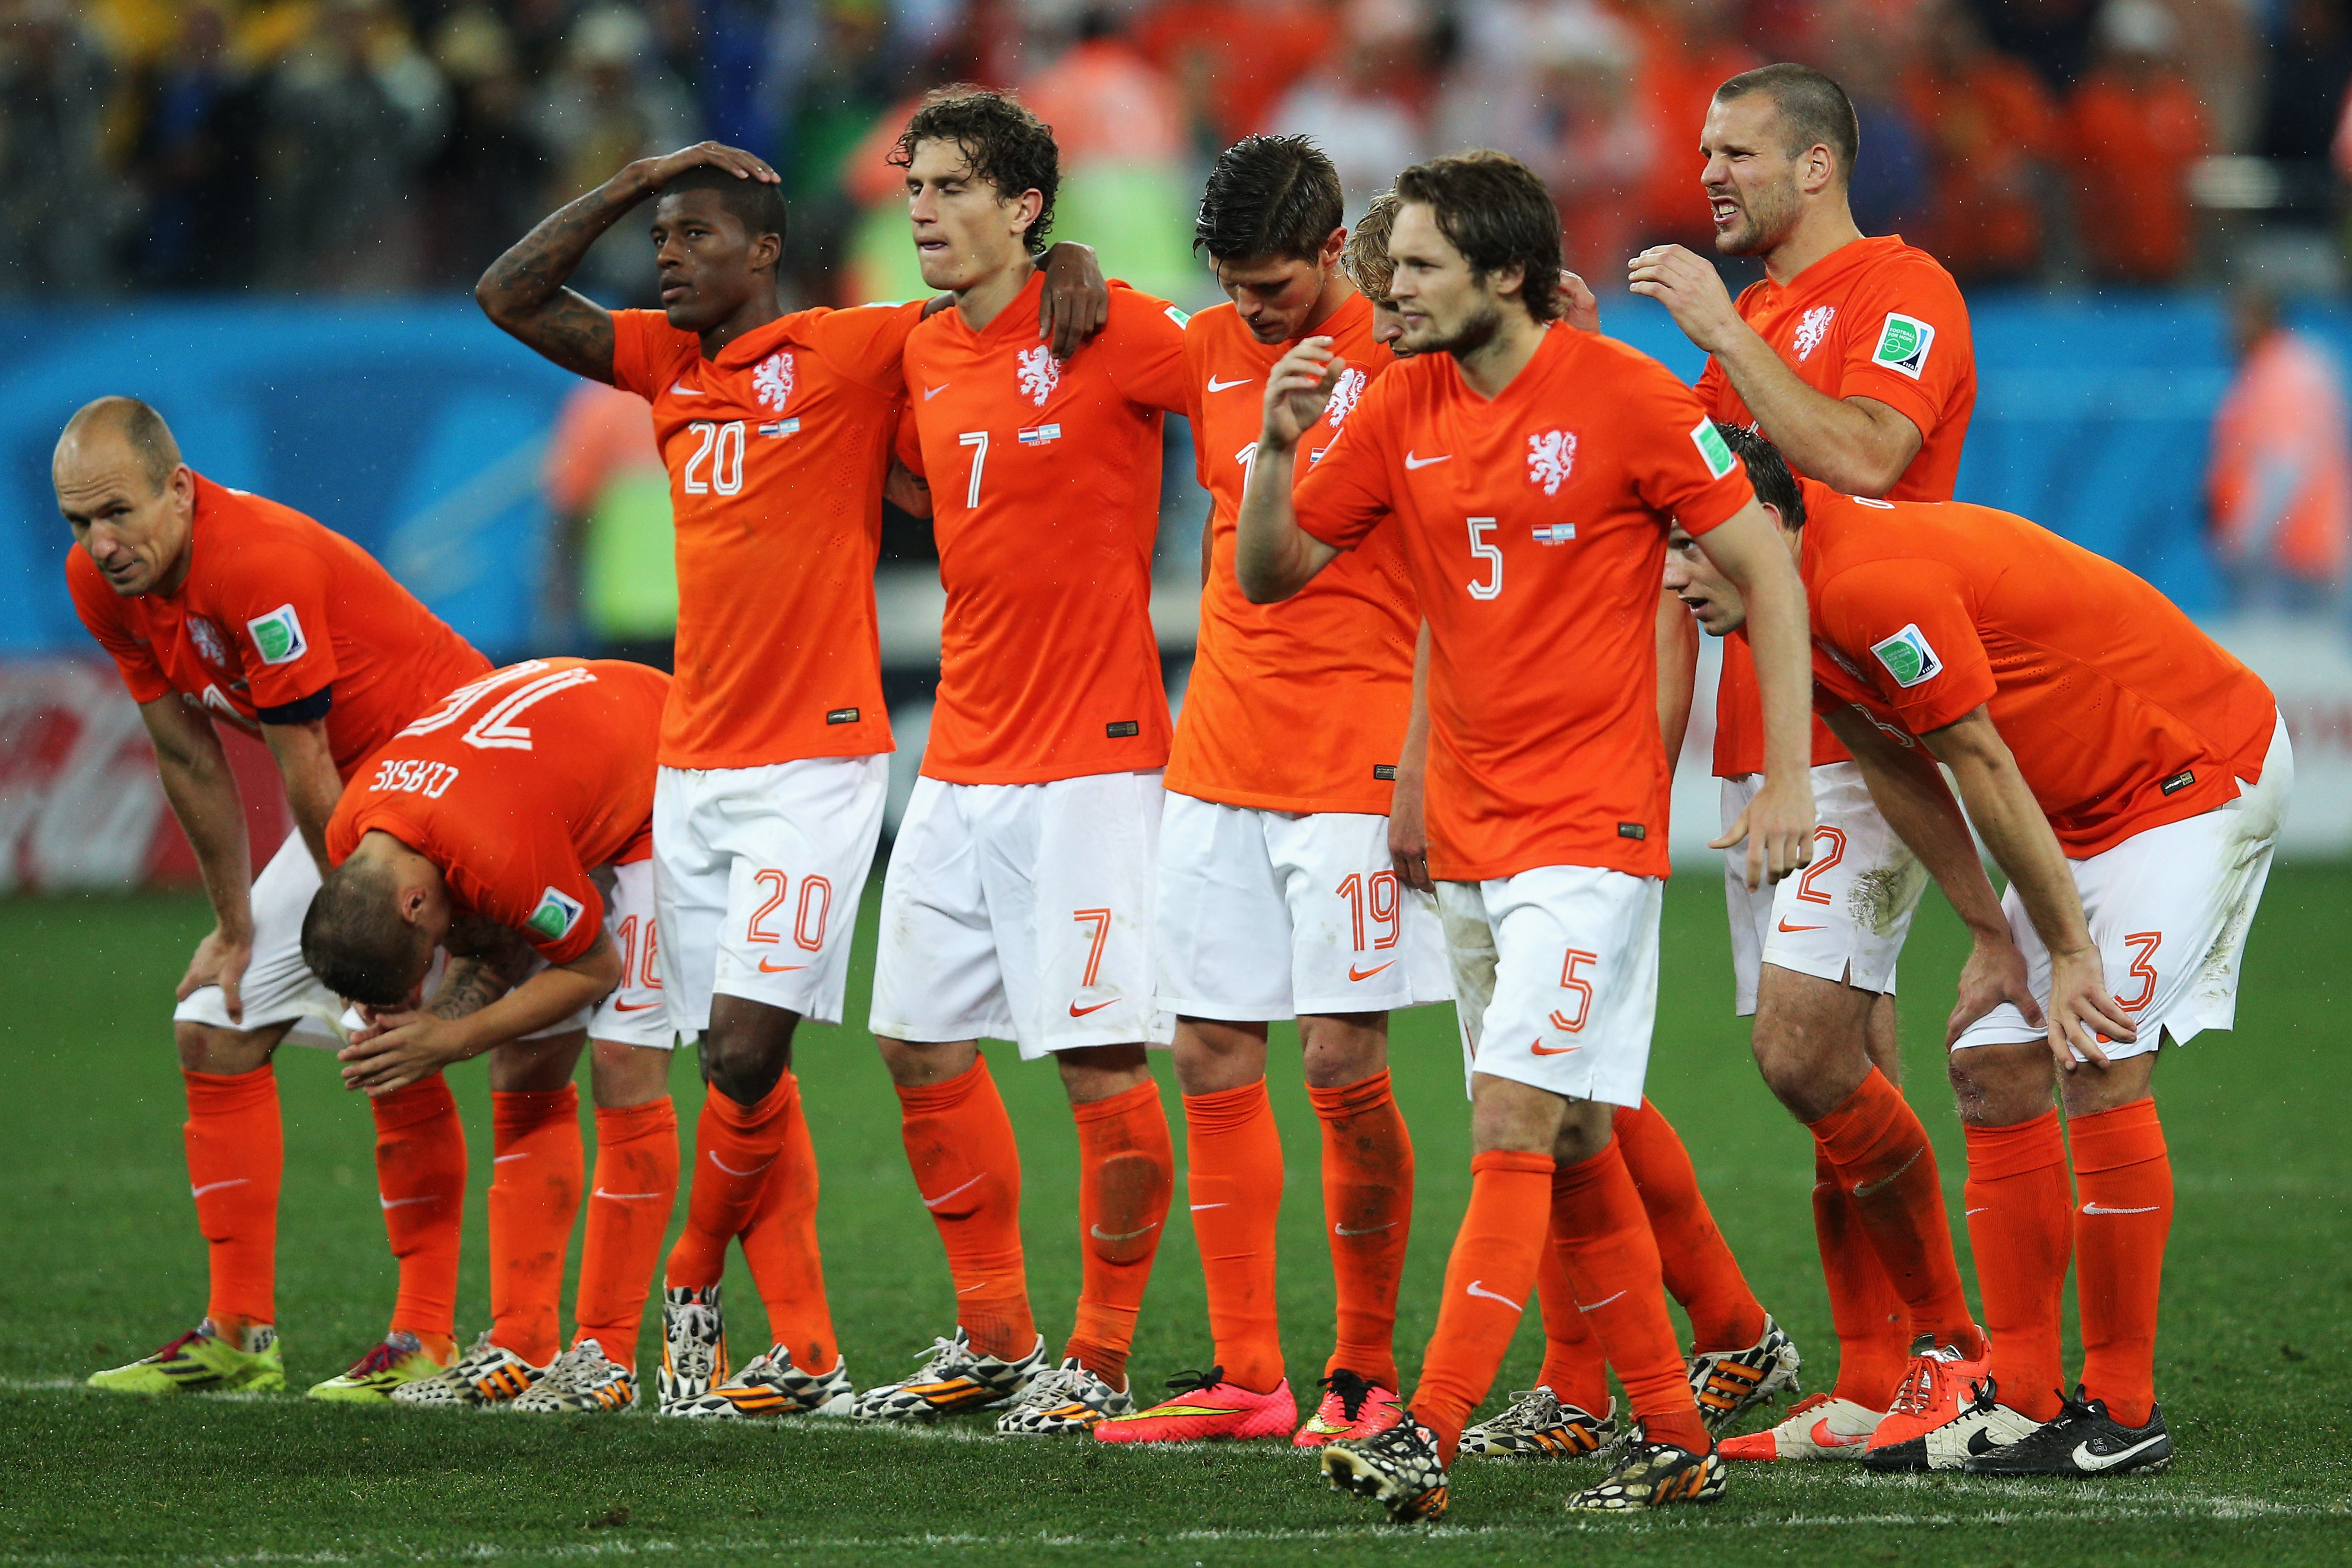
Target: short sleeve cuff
{"x":302,"y":709}
{"x":1907,"y":397}
{"x":1716,"y":505}
{"x":1969,"y":693}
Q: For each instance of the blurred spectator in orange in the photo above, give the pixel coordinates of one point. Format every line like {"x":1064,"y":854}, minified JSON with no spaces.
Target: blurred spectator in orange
{"x":1554,"y":85}
{"x":489,"y":182}
{"x":198,"y":158}
{"x":614,"y":568}
{"x":2280,"y":482}
{"x":612,"y":103}
{"x":1360,"y":109}
{"x":2133,"y":128}
{"x":1231,"y":60}
{"x":1990,"y":130}
{"x":1689,"y":49}
{"x":1106,"y":102}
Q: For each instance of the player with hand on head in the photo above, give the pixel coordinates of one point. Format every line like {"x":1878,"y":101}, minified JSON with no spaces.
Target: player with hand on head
{"x":221,"y":606}
{"x":1740,"y":1354}
{"x":1018,"y":900}
{"x":1533,"y":470}
{"x":1275,"y":895}
{"x":2129,"y":777}
{"x":510,"y":830}
{"x":776,"y":430}
{"x":1853,"y":355}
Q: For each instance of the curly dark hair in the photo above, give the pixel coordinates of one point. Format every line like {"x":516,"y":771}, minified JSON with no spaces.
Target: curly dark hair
{"x":1002,"y":141}
{"x":1496,"y":213}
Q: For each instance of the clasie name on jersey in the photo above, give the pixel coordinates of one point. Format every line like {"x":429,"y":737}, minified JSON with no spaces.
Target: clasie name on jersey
{"x":414,"y":776}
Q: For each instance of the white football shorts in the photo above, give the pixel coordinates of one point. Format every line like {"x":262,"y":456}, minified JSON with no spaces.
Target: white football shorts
{"x":757,"y":875}
{"x":1023,"y":912}
{"x":1556,"y":978}
{"x":2170,"y":909}
{"x":1269,"y":914}
{"x":1843,"y":918}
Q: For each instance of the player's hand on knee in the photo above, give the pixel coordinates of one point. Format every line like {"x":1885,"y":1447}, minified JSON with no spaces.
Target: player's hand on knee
{"x":2084,"y":1014}
{"x":220,"y":960}
{"x":1994,"y":973}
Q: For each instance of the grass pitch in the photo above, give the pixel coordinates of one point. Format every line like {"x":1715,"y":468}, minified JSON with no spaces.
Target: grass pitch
{"x":104,"y":1263}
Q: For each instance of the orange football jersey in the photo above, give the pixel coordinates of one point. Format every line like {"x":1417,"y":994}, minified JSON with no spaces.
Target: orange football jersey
{"x":276,"y":608}
{"x":1876,"y":319}
{"x":2122,"y":715}
{"x":777,"y":450}
{"x":1044,"y":480}
{"x":1535,"y":526}
{"x":1298,"y":706}
{"x":518,"y":786}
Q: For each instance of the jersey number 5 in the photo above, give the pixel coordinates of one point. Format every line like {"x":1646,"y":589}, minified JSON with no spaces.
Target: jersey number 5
{"x":1492,"y":554}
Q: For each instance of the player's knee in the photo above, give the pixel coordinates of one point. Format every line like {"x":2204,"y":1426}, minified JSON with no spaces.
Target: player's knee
{"x":1338,"y":1051}
{"x":1098,"y":1072}
{"x":208,"y":1048}
{"x":2002,"y":1085}
{"x":624,"y":1075}
{"x":741,"y":1065}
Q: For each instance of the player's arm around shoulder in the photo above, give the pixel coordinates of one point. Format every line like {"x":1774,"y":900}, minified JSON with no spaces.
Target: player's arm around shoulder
{"x":1274,"y":558}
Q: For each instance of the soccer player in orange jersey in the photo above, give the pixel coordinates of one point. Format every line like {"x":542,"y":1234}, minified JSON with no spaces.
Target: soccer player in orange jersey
{"x":1740,"y":1356}
{"x":776,"y":429}
{"x":1018,"y":900}
{"x":2129,"y":778}
{"x":1532,"y":470}
{"x":510,"y":829}
{"x":220,"y":607}
{"x":1854,"y":355}
{"x":1275,"y":895}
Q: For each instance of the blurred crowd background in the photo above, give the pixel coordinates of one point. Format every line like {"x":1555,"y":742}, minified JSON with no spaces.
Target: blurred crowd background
{"x":396,"y":145}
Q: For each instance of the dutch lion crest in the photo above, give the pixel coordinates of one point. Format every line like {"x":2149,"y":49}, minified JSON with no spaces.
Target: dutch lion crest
{"x":772,"y":381}
{"x":1345,"y":394}
{"x":1811,"y":327}
{"x":1550,"y":456}
{"x":1041,"y":373}
{"x":209,"y":642}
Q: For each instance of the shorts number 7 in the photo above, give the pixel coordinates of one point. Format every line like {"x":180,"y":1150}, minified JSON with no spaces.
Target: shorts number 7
{"x":1100,"y":921}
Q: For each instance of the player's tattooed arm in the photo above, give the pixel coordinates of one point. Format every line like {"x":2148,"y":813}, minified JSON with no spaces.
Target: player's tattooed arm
{"x":203,"y":795}
{"x":477,"y":1007}
{"x":524,"y":292}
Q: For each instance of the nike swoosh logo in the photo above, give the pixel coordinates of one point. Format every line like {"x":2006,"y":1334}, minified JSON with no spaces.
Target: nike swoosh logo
{"x":403,"y":1202}
{"x":1412,"y":462}
{"x":504,"y":1158}
{"x":934,"y":1203}
{"x":931,"y":392}
{"x":1217,"y":385}
{"x":679,"y":389}
{"x":1474,"y":1288}
{"x":767,"y":968}
{"x":2095,"y":1208}
{"x":1787,"y":927}
{"x":635,"y":1006}
{"x":1965,"y":1213}
{"x":622,"y":1198}
{"x":1099,"y":1234}
{"x":1368,"y":1230}
{"x":1598,"y":1305}
{"x":1824,"y":1438}
{"x":969,"y":1288}
{"x":1198,"y":1207}
{"x":1980,"y":1442}
{"x":2089,"y":1462}
{"x":732,"y":1171}
{"x":1872,"y":1189}
{"x":1078,"y":1012}
{"x":1543,"y":1050}
{"x":1355,"y":974}
{"x":215,"y":1186}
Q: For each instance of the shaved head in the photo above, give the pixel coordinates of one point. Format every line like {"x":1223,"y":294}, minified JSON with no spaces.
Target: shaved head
{"x":112,"y":425}
{"x":355,"y":940}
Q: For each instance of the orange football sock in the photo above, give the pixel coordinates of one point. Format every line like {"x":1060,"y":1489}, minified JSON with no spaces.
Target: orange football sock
{"x":2122,"y":1178}
{"x":1573,"y":1366}
{"x":236,"y":1158}
{"x":1874,"y":1326}
{"x":734,"y":1147}
{"x":1700,"y":1271}
{"x":628,"y":1211}
{"x":2021,"y":1226}
{"x":1488,"y":1278}
{"x":1233,"y":1179}
{"x":780,"y":1245}
{"x":1126,"y":1169}
{"x":535,"y":1170}
{"x":420,"y":1175}
{"x":1368,"y":1208}
{"x":1888,"y":1172}
{"x":967,"y":1170}
{"x":1604,"y":1238}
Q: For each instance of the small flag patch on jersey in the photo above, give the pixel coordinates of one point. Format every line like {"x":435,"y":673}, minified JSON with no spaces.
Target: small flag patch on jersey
{"x":1713,"y":448}
{"x":2179,"y":782}
{"x":1122,"y":729}
{"x":1903,"y":344}
{"x":1553,"y":532}
{"x":1632,"y":830}
{"x":555,"y":915}
{"x":1907,"y":657}
{"x":1038,"y":435}
{"x":277,"y":636}
{"x":841,"y":716}
{"x":775,"y":428}
{"x":1385,"y":772}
